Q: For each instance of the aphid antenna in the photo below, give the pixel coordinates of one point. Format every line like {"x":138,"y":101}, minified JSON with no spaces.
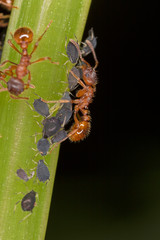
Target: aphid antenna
{"x":32,"y":109}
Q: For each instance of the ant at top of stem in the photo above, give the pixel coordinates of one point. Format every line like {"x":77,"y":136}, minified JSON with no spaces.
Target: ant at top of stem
{"x":15,"y":86}
{"x":8,"y":4}
{"x":81,"y":126}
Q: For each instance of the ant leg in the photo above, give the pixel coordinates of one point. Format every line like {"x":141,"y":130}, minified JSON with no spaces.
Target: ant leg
{"x":79,"y":51}
{"x":28,"y":82}
{"x":9,"y":70}
{"x":44,"y":59}
{"x":7,"y":61}
{"x":3,"y":89}
{"x":78,"y":79}
{"x":4,"y":16}
{"x":12,"y":45}
{"x":7,"y":5}
{"x":93,"y":52}
{"x":68,"y":135}
{"x":19,"y":98}
{"x":36,"y":44}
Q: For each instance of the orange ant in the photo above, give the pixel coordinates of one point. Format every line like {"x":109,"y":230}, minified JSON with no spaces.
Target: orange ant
{"x":81,"y":127}
{"x":15,"y":86}
{"x":8,"y":4}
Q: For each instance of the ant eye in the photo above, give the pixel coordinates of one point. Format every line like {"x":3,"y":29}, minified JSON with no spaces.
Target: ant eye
{"x":23,"y":35}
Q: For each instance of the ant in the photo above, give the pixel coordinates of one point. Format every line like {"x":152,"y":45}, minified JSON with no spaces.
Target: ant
{"x":81,"y":126}
{"x":15,"y":86}
{"x":8,"y":4}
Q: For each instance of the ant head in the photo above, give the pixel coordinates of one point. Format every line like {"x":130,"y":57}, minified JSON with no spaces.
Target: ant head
{"x":89,"y":75}
{"x":23,"y":35}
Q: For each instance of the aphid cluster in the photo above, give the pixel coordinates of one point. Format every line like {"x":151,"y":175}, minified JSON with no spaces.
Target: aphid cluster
{"x":53,"y":126}
{"x":72,"y":118}
{"x":82,"y":75}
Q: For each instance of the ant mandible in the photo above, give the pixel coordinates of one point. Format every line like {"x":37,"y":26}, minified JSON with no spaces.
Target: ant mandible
{"x":81,"y":127}
{"x":15,"y":86}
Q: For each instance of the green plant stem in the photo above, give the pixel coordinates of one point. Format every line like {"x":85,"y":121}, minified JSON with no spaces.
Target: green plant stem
{"x":17,"y":120}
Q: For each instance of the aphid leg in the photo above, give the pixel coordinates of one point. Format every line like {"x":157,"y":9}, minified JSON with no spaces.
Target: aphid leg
{"x":93,"y":52}
{"x":15,"y":206}
{"x":44,"y":59}
{"x":12,"y":45}
{"x":25,"y":217}
{"x":39,"y":39}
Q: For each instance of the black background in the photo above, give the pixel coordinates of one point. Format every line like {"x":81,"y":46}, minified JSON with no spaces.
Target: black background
{"x":108,"y":186}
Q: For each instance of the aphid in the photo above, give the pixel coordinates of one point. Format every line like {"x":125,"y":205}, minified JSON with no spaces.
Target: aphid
{"x":72,"y":81}
{"x":42,"y":171}
{"x":41,"y":107}
{"x":72,"y":52}
{"x":23,"y":175}
{"x":28,"y":202}
{"x":15,"y":86}
{"x":65,"y":112}
{"x":51,"y":126}
{"x":85,"y":50}
{"x":59,"y":136}
{"x":43,"y":146}
{"x":81,"y":127}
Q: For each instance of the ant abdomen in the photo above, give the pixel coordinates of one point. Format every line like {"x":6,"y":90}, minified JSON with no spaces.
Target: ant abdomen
{"x":15,"y":86}
{"x":82,"y":130}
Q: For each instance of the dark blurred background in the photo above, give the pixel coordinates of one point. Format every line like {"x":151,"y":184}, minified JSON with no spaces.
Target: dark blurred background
{"x":108,"y":186}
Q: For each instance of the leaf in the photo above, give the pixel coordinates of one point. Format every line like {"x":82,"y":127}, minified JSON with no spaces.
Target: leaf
{"x":17,"y":121}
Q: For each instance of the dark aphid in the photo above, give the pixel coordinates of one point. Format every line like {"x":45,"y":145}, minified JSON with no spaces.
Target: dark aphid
{"x":28,"y":201}
{"x":85,"y":50}
{"x":72,"y":53}
{"x":22,"y":174}
{"x":60,"y":136}
{"x":51,"y":126}
{"x":43,"y":146}
{"x":41,"y":107}
{"x":42,"y":171}
{"x":72,"y":81}
{"x":65,"y":113}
